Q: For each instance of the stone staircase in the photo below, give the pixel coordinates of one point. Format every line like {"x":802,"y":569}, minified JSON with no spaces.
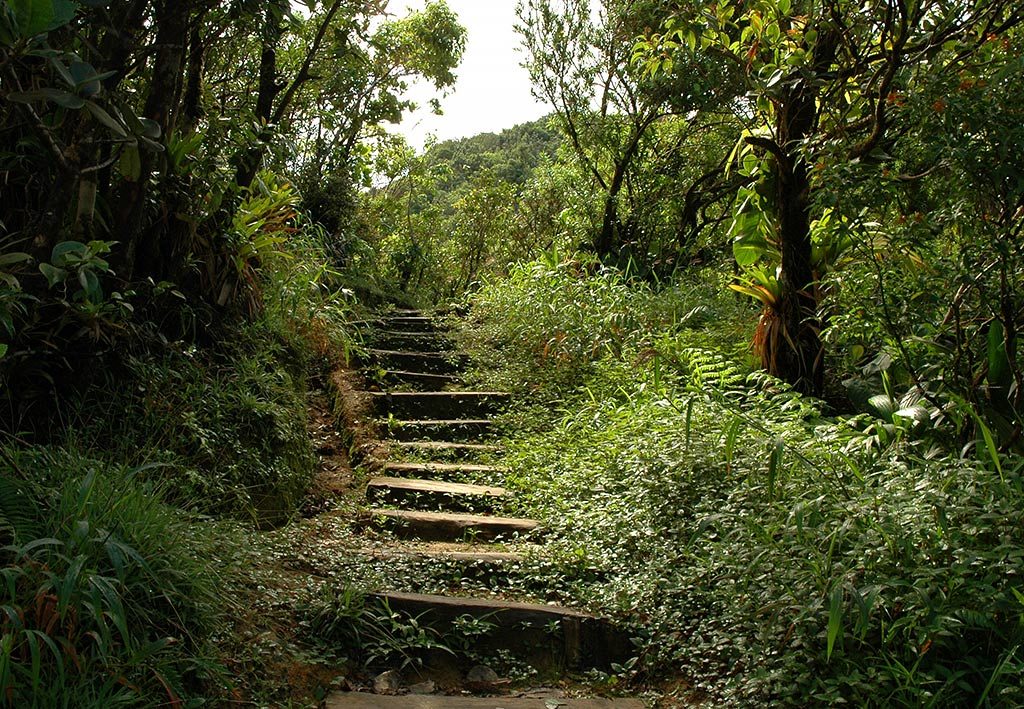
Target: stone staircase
{"x":432,"y":490}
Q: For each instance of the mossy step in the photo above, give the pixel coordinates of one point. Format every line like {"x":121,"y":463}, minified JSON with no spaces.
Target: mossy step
{"x":430,"y":362}
{"x":438,"y":404}
{"x":551,"y":634}
{"x":448,"y":552}
{"x":399,"y":340}
{"x":443,"y":449}
{"x":408,"y":323}
{"x":391,"y":378}
{"x":450,"y":430}
{"x":442,"y":471}
{"x":361,"y":700}
{"x":453,"y":526}
{"x":436,"y":492}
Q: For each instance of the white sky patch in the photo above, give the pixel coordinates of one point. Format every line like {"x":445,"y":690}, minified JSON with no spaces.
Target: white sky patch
{"x":493,"y":91}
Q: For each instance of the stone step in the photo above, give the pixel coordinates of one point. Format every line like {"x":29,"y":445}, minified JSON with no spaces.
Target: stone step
{"x":419,"y":492}
{"x":450,"y":430}
{"x":417,"y":381}
{"x":438,"y":404}
{"x":442,"y":471}
{"x":547,"y":635}
{"x":408,"y":323}
{"x":453,"y":526}
{"x":430,"y":362}
{"x":361,"y":700}
{"x":442,"y":449}
{"x":445,"y":552}
{"x":418,"y":341}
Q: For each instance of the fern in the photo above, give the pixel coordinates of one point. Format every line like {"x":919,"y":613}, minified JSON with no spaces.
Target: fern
{"x":19,"y":513}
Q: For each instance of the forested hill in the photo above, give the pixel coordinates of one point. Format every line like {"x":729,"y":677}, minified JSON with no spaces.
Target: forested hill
{"x":510,"y":155}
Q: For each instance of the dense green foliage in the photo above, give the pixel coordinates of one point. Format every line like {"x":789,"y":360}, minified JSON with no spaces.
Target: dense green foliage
{"x":461,"y":210}
{"x":772,"y":553}
{"x":168,"y":284}
{"x":756,"y":281}
{"x":109,"y":595}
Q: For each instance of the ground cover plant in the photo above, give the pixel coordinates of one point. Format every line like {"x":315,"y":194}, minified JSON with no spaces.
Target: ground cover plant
{"x":770,"y":553}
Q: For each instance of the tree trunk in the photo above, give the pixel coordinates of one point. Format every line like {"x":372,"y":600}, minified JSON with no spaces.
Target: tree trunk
{"x":795,"y":353}
{"x":268,"y":87}
{"x":145,"y":254}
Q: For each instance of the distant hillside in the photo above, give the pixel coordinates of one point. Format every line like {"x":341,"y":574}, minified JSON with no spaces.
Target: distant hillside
{"x":510,"y":155}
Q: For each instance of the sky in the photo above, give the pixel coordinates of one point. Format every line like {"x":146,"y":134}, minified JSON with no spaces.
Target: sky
{"x":493,"y":91}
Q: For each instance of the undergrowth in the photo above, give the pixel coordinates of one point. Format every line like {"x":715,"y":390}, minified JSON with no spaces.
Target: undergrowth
{"x":109,"y":595}
{"x":228,"y":424}
{"x":128,"y":508}
{"x":766,"y":553}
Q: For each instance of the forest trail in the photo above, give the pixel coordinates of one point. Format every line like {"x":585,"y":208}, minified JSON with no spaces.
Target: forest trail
{"x":428,"y":494}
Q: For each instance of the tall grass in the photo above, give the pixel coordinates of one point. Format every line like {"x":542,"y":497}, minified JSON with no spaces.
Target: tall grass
{"x":108,"y":596}
{"x":550,"y":320}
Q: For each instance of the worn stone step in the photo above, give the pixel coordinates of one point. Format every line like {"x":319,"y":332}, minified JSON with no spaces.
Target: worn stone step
{"x":442,"y":449}
{"x":466,"y":554}
{"x":453,"y":526}
{"x":416,"y":341}
{"x":397,"y":379}
{"x":545,"y":635}
{"x":450,"y":430}
{"x":408,"y":323}
{"x":360,"y":700}
{"x":429,"y":362}
{"x":443,"y":471}
{"x":420,"y":492}
{"x":438,"y":404}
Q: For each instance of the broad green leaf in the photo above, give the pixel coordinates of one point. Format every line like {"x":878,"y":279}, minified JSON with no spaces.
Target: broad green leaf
{"x":106,"y":119}
{"x":53,"y":274}
{"x":13,"y":258}
{"x":33,"y":16}
{"x":130,"y":164}
{"x":60,"y":253}
{"x":85,"y":78}
{"x":835,"y":620}
{"x":774,"y":464}
{"x":883,"y":406}
{"x":63,"y":12}
{"x":150,"y":128}
{"x":59,"y":97}
{"x":917,"y":413}
{"x":999,"y":372}
{"x":3,"y":350}
{"x":91,"y":285}
{"x":749,"y":248}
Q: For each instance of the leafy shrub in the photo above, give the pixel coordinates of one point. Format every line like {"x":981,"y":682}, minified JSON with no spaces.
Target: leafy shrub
{"x":229,"y":424}
{"x":351,"y":622}
{"x":773,"y":555}
{"x":108,"y":595}
{"x":550,"y":320}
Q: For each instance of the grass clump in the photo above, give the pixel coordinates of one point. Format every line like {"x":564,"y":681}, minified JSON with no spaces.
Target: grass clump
{"x":543,"y":327}
{"x":108,"y":595}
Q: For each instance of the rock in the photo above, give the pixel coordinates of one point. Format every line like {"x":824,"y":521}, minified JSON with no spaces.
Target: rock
{"x":387,"y":682}
{"x":427,"y":687}
{"x":482,"y":674}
